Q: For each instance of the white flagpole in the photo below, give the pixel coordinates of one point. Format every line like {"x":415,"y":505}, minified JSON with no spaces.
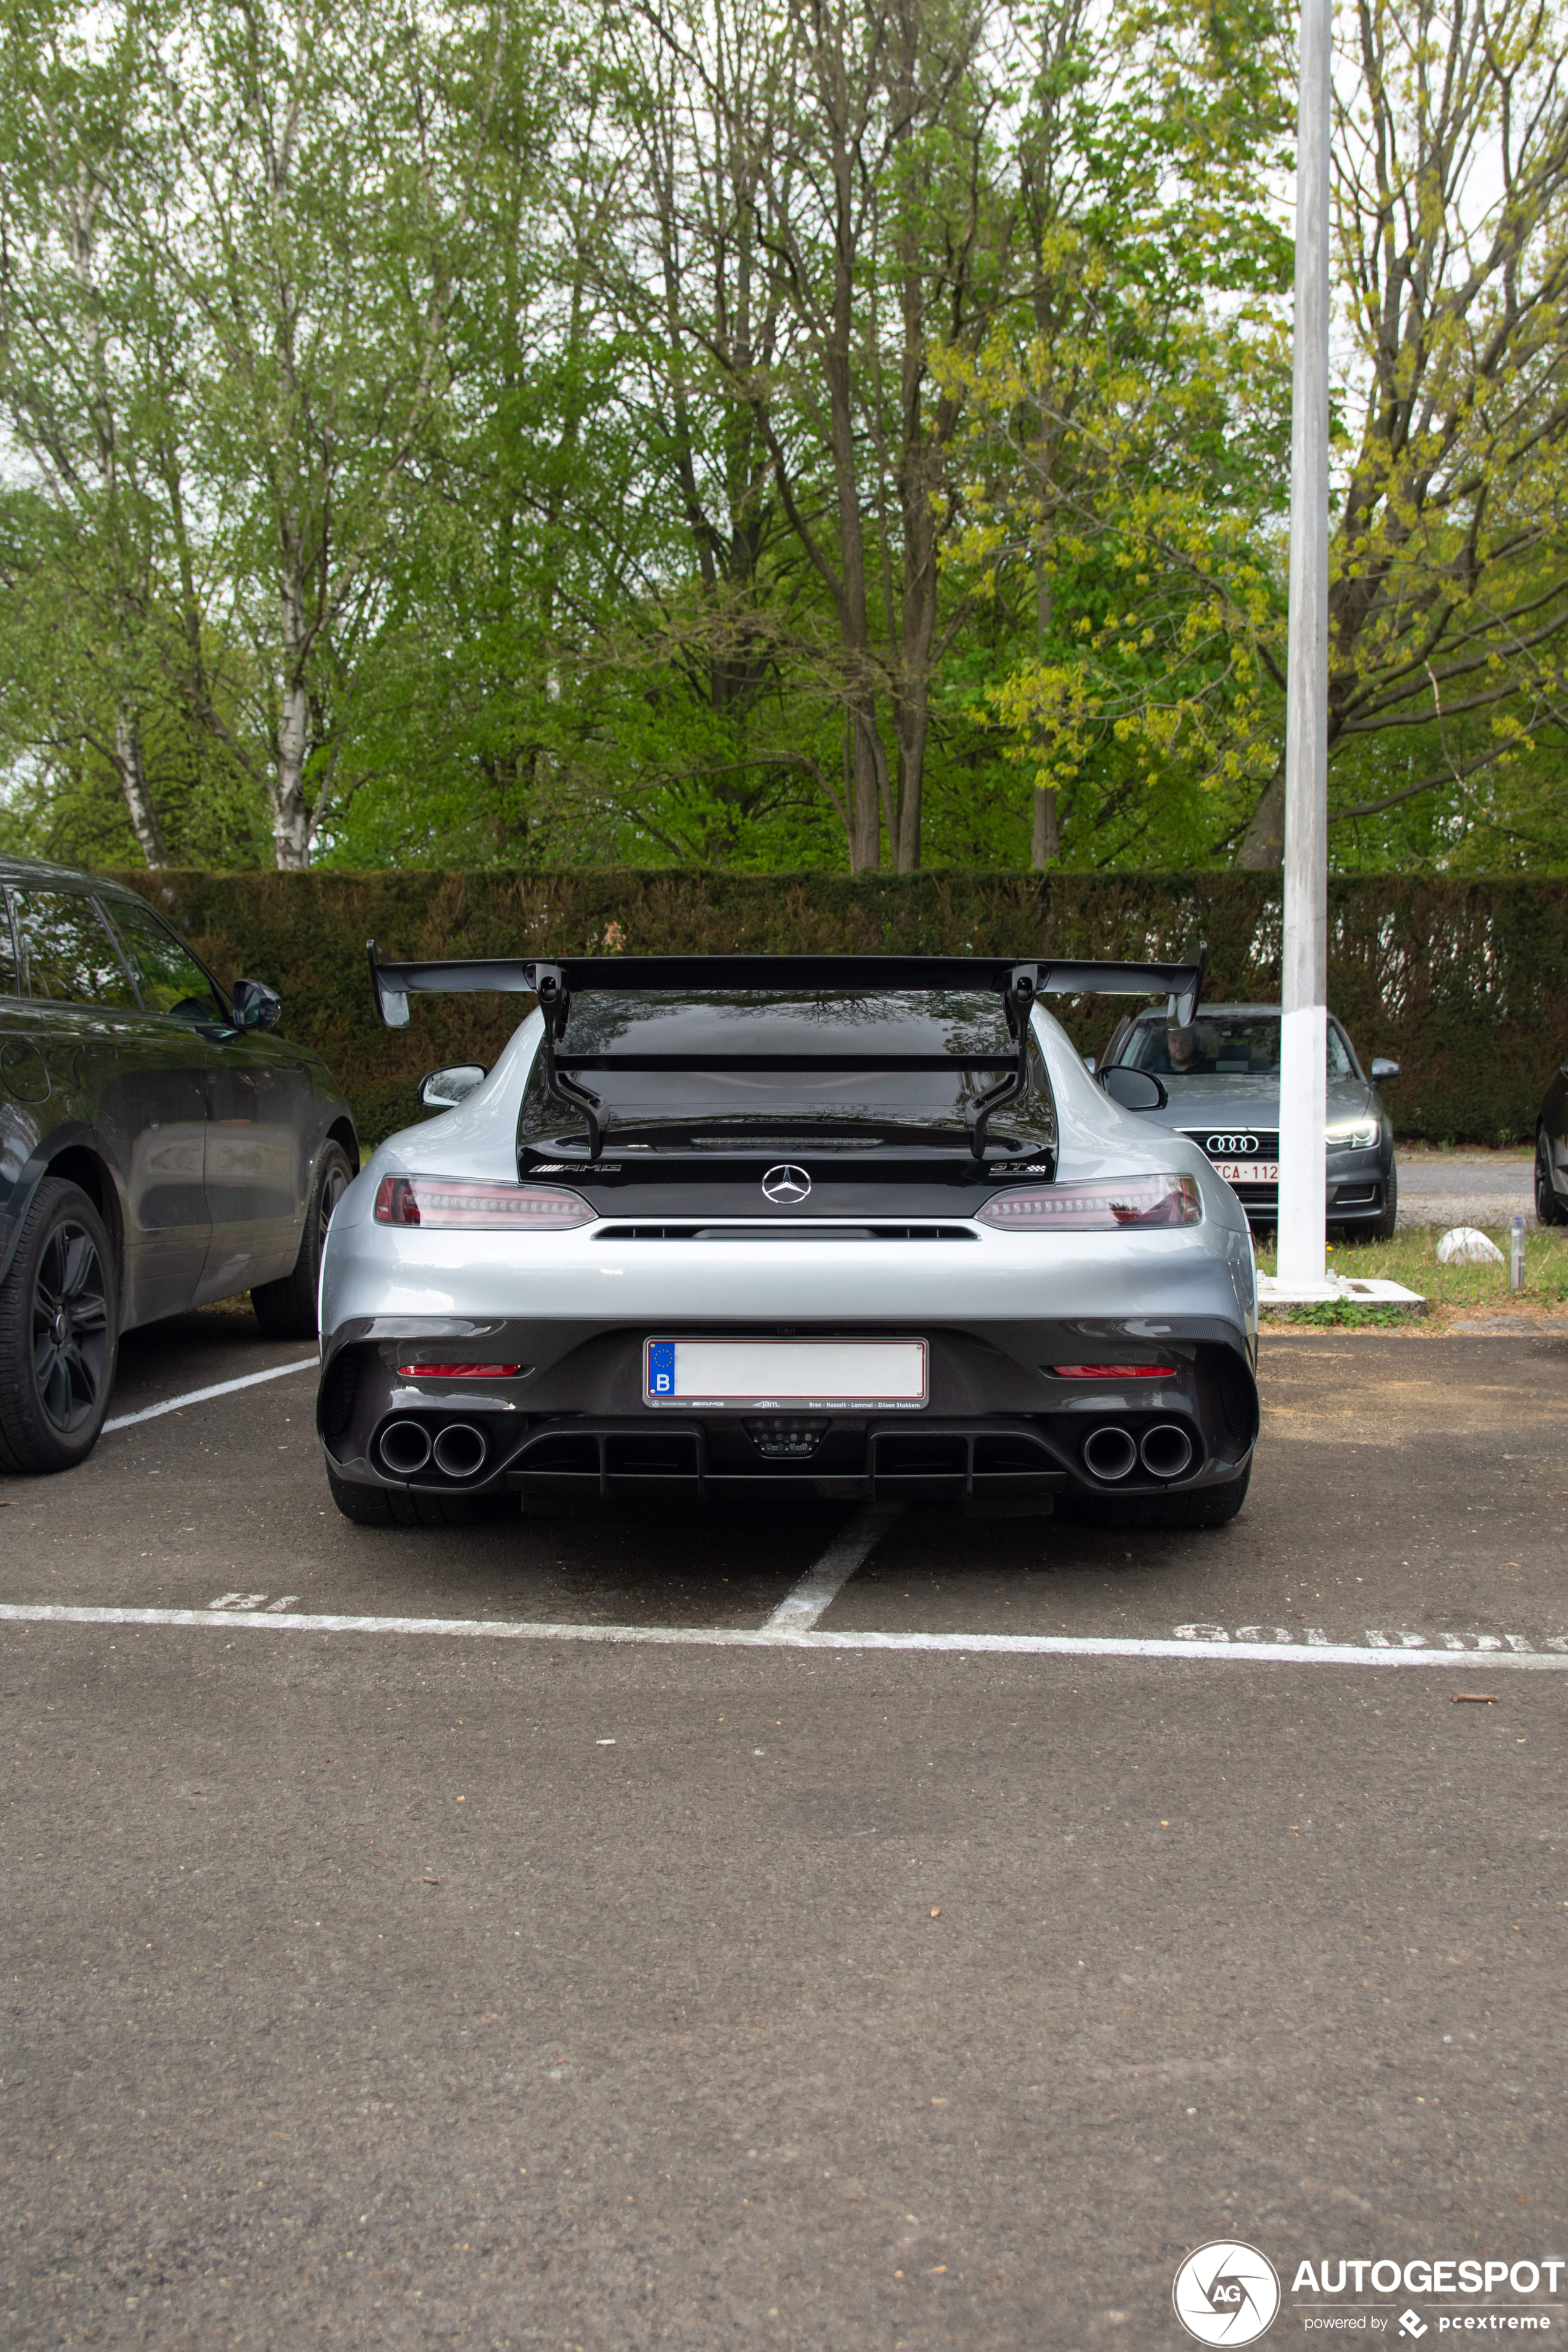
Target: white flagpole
{"x":1304,"y":976}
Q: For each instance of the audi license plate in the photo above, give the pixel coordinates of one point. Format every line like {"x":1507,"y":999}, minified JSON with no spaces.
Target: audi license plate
{"x":821,"y":1375}
{"x":1248,"y":1171}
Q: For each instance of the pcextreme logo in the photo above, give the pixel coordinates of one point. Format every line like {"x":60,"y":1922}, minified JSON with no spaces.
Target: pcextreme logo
{"x":1226,"y":2293}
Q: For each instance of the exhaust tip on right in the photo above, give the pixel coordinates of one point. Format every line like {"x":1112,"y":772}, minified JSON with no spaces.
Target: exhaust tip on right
{"x":461,"y":1449}
{"x":1166,"y":1450}
{"x":1110,"y":1452}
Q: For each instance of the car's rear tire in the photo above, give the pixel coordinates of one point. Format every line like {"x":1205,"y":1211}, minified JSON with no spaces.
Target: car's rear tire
{"x":59,"y":1333}
{"x":383,"y":1507}
{"x":1549,"y":1209}
{"x":286,"y":1309}
{"x":1209,"y":1506}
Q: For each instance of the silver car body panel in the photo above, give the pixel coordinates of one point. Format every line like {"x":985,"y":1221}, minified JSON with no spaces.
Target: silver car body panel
{"x":1002,"y":1303}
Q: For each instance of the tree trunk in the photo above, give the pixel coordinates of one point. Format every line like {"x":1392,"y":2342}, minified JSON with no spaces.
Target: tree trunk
{"x":918,"y":620}
{"x":290,"y":817}
{"x":1045,"y":842}
{"x":1045,"y":845}
{"x":133,"y":784}
{"x":1263,"y":843}
{"x":867,"y":777}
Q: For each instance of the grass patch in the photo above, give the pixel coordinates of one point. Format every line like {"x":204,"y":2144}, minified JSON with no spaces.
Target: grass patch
{"x":1412,"y":1258}
{"x":1344,"y":1315}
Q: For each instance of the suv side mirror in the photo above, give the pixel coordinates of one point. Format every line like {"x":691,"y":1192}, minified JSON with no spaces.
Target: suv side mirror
{"x":444,"y":1089}
{"x":255,"y":1005}
{"x":1381,"y":1068}
{"x":1133,"y":1089}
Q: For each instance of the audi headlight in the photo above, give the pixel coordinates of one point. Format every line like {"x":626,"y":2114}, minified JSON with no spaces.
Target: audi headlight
{"x":1352,"y":1134}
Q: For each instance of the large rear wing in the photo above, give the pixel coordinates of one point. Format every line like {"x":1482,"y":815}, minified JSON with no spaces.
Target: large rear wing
{"x":555,"y":981}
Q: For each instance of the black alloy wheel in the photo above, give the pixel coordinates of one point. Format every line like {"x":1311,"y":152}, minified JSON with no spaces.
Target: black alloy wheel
{"x":60,"y":1332}
{"x":286,"y":1309}
{"x":1549,"y":1209}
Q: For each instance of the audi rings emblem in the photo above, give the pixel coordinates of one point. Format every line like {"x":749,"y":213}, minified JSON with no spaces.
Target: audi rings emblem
{"x":1231,"y":1146}
{"x":787,"y":1184}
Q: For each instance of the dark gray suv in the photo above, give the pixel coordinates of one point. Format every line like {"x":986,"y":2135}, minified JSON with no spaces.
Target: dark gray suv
{"x":158,"y":1149}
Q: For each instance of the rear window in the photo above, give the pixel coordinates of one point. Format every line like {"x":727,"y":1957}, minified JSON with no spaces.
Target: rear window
{"x":816,"y":1108}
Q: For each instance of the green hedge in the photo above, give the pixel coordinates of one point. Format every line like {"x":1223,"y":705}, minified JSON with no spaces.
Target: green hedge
{"x":1465,"y":983}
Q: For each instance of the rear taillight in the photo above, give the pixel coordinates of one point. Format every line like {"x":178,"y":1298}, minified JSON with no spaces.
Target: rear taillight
{"x":492,"y":1208}
{"x":1096,"y":1208}
{"x":1112,"y":1372}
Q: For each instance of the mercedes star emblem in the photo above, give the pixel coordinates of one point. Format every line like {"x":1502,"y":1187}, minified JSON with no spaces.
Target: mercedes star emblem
{"x":787,"y":1184}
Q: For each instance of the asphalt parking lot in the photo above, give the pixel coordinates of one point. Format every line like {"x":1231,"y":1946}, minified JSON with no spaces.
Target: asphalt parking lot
{"x":593,"y":1973}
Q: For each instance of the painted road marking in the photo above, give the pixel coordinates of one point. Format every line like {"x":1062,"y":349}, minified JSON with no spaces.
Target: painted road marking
{"x":201,"y":1396}
{"x":826,"y":1579}
{"x":1553,"y":1656}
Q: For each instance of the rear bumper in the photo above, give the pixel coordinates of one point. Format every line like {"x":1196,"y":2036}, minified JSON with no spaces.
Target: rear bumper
{"x":999,"y":1425}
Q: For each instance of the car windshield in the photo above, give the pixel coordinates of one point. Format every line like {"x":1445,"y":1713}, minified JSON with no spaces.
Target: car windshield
{"x":817,"y":1107}
{"x":1221,"y":1045}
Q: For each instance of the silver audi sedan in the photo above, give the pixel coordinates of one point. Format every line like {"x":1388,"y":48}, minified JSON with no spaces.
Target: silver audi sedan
{"x":1220,"y":1076}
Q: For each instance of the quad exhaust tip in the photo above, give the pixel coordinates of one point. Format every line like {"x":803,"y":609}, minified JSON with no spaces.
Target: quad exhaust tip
{"x":461,"y":1449}
{"x":1166,"y":1451}
{"x":1110,"y":1452}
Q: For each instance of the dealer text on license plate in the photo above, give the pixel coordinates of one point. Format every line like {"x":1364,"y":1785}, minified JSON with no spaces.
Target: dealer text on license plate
{"x":827,"y":1375}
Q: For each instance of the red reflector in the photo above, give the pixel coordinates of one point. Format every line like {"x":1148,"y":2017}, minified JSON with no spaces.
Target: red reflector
{"x":1114,"y":1372}
{"x":460,"y":1371}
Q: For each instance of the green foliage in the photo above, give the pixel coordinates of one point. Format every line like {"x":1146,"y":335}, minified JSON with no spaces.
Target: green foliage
{"x":1344,"y":1315}
{"x":720,"y":434}
{"x":1403,"y":956}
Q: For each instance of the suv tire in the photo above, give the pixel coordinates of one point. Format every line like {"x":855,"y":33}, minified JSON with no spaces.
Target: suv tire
{"x":1549,"y":1208}
{"x":59,"y":1333}
{"x":286,"y":1309}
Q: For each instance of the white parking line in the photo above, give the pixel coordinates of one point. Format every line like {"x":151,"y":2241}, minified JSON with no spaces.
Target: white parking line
{"x":201,"y":1396}
{"x":826,"y":1579}
{"x":720,"y":1637}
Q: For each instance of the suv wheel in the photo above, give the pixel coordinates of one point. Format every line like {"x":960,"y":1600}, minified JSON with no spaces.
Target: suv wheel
{"x":286,"y":1309}
{"x":1549,"y":1209}
{"x":59,"y":1333}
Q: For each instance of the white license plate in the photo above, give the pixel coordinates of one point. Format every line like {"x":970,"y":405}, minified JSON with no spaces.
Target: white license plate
{"x":823,"y":1375}
{"x":1248,"y":1171}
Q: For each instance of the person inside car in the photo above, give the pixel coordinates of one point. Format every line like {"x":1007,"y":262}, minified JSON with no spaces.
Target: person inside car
{"x":1182,"y":1057}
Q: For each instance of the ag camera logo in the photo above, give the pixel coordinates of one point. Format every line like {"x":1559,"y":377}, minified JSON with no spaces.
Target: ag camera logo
{"x":1226,"y":2293}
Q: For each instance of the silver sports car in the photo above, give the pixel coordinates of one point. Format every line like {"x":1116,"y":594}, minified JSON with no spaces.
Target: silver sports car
{"x":844,"y":1226}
